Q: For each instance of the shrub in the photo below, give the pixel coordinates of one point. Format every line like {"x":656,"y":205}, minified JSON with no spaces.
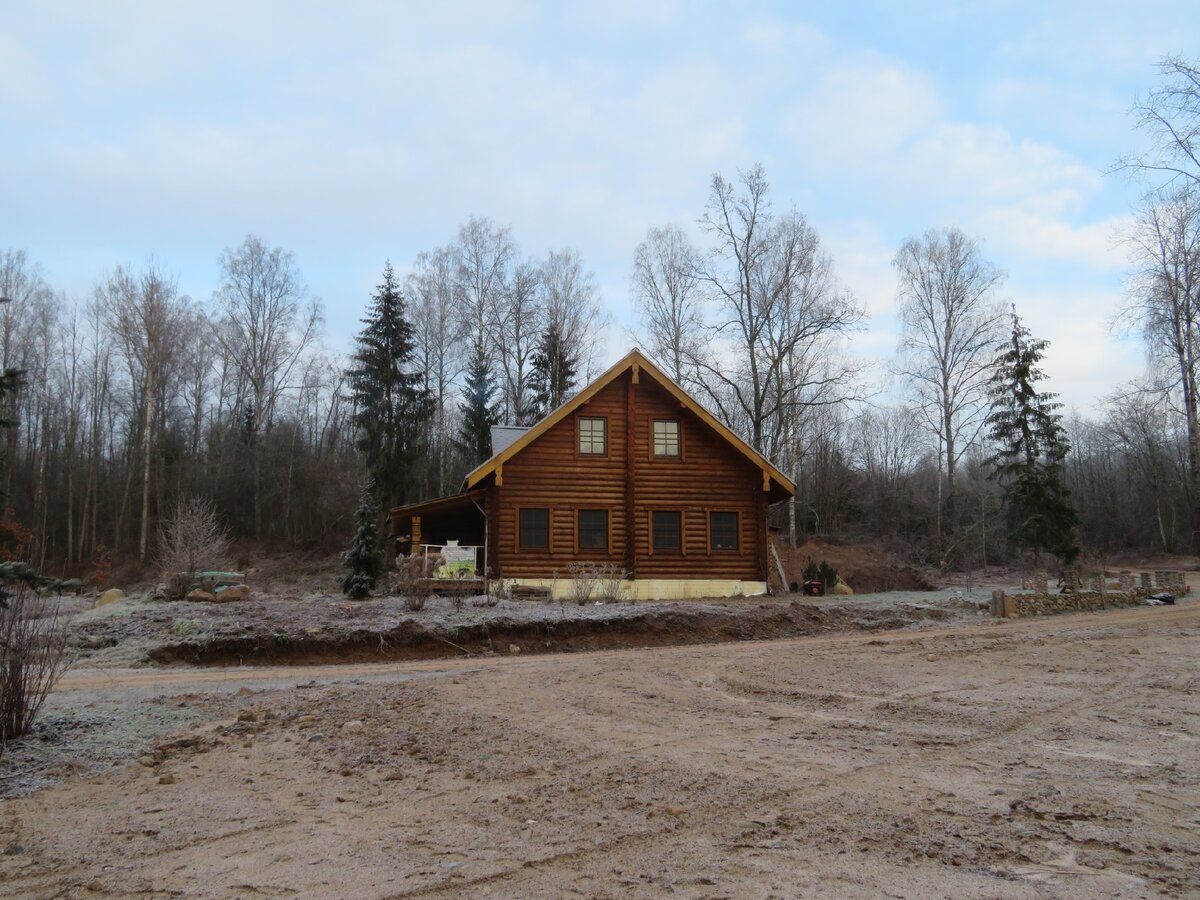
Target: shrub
{"x":33,"y":654}
{"x":415,"y":602}
{"x":599,"y":580}
{"x":193,"y":538}
{"x":363,"y":559}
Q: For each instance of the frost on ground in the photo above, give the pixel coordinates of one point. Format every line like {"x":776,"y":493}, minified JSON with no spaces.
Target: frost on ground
{"x":325,"y":627}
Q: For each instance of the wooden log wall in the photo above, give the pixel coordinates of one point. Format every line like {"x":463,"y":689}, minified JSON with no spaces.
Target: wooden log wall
{"x":630,"y":483}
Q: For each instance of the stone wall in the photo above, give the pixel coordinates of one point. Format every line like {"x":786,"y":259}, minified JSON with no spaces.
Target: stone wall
{"x":1105,"y":589}
{"x":1047,"y":604}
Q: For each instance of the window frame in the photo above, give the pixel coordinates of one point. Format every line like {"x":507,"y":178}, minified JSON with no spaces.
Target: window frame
{"x":681,"y":549}
{"x":737,"y":531}
{"x":608,"y":523}
{"x":579,"y":451}
{"x":678,"y":454}
{"x":522,"y":547}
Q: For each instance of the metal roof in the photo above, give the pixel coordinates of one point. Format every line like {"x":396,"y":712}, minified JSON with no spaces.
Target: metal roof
{"x":504,"y":436}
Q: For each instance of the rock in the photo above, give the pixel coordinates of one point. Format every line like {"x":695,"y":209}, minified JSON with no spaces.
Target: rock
{"x":514,"y":649}
{"x":842,"y":588}
{"x":166,"y":779}
{"x":112,"y":595}
{"x":930,"y":657}
{"x":354,"y":725}
{"x":307,"y":719}
{"x":147,"y":761}
{"x":247,"y":715}
{"x":199,"y":596}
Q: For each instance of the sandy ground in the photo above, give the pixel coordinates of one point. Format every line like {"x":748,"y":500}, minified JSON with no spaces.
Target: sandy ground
{"x":1038,"y":758}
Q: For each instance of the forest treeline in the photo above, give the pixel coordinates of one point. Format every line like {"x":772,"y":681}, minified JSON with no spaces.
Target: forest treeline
{"x":137,"y":397}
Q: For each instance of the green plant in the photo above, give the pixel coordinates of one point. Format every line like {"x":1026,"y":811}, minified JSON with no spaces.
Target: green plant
{"x":184,"y":627}
{"x":827,"y":575}
{"x":363,"y":559}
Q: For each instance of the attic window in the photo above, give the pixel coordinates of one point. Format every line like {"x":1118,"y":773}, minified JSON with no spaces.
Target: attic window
{"x":593,"y":436}
{"x":666,"y":437}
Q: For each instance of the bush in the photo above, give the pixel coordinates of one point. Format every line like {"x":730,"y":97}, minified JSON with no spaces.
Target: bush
{"x":191,"y":539}
{"x":363,"y":559}
{"x":33,"y":654}
{"x":599,"y":580}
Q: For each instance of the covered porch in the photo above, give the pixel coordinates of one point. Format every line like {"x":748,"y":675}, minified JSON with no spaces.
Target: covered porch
{"x":455,"y":523}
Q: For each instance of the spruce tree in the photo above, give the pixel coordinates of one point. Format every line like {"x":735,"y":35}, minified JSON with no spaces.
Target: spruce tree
{"x":479,"y":413}
{"x":391,"y":407}
{"x":554,"y":368}
{"x":1032,"y":447}
{"x":363,"y":559}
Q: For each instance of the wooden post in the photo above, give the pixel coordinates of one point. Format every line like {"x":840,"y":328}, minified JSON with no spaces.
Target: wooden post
{"x":631,"y":476}
{"x":998,"y":604}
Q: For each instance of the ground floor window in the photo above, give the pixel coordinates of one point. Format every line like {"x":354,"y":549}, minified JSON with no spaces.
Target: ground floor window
{"x":593,"y":529}
{"x":534,"y":531}
{"x":723,"y":530}
{"x":666,"y":530}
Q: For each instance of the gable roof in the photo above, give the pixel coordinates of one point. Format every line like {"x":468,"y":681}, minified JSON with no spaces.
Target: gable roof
{"x":632,"y":358}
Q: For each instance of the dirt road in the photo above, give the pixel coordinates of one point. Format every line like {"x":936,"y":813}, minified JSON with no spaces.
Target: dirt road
{"x":1051,"y":757}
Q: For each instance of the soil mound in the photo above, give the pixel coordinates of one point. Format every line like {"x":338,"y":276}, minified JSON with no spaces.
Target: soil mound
{"x":866,"y":569}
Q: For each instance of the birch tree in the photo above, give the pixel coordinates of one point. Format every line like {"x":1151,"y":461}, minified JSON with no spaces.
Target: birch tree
{"x":952,"y":326}
{"x":666,"y":285}
{"x":1164,"y":302}
{"x":777,"y":308}
{"x":263,"y":331}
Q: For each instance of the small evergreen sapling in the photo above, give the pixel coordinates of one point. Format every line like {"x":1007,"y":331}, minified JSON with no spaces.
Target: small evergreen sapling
{"x":363,"y":559}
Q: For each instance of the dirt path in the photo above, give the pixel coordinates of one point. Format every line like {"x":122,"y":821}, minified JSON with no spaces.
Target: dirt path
{"x":1051,"y":757}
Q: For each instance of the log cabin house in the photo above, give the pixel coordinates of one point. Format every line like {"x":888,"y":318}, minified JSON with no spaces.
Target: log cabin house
{"x":631,"y":472}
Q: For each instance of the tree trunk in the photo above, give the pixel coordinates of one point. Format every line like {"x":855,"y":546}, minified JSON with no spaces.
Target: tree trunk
{"x":147,"y":461}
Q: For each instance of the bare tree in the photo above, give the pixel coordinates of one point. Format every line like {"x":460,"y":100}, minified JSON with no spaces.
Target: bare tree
{"x":1170,"y":114}
{"x":572,"y":307}
{"x":1164,"y":302}
{"x":665,"y":283}
{"x":777,"y":307}
{"x":437,"y":331}
{"x":263,"y":333}
{"x":483,"y":256}
{"x":952,"y":325}
{"x":144,"y":314}
{"x":522,"y":320}
{"x":191,"y":537}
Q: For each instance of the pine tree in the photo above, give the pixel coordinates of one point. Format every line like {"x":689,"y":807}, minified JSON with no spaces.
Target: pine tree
{"x":1032,"y":447}
{"x":479,"y":413}
{"x":391,"y":408}
{"x":553,"y":375}
{"x":363,"y":559}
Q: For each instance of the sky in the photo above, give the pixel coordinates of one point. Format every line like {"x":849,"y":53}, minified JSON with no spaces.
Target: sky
{"x":355,"y":133}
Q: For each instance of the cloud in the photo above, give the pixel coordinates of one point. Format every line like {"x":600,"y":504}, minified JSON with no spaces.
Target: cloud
{"x":862,"y":112}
